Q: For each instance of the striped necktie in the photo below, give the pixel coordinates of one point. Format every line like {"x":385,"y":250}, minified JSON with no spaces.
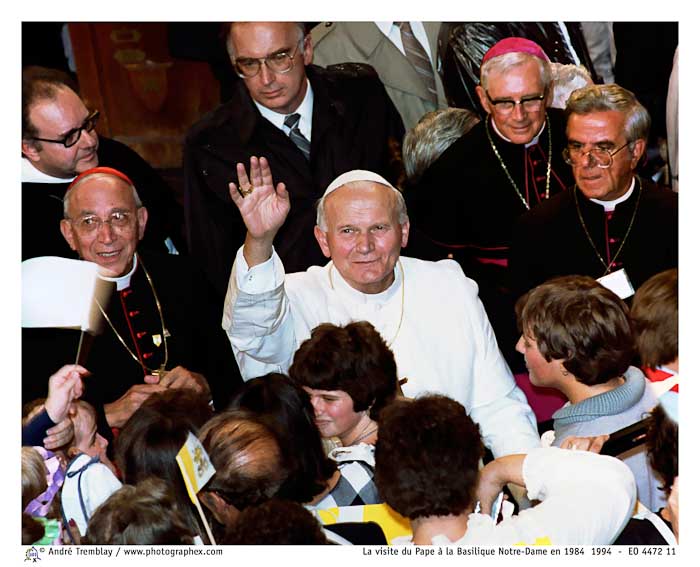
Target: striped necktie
{"x":418,"y":58}
{"x":292,"y":122}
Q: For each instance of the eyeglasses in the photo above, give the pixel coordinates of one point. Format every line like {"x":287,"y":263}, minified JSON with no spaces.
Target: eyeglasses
{"x":72,"y":137}
{"x":602,"y":157}
{"x":528,"y":103}
{"x":90,"y":224}
{"x":281,"y":62}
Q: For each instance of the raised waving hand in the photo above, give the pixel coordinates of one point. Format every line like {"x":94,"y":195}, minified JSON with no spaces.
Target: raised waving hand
{"x":263,"y":206}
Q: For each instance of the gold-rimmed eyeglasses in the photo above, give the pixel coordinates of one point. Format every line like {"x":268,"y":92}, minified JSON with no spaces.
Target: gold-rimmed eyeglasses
{"x":280,"y":62}
{"x":602,"y":157}
{"x":89,"y":224}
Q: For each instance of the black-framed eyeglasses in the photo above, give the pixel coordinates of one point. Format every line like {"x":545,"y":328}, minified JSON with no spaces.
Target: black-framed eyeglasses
{"x":528,"y":103}
{"x":280,"y":62}
{"x":72,"y":137}
{"x":90,"y":224}
{"x":603,"y":157}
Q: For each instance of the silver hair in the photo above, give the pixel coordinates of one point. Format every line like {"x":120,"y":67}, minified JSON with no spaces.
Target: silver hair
{"x":504,"y":63}
{"x":565,"y":80}
{"x":67,"y":196}
{"x":433,"y":134}
{"x":400,"y":209}
{"x":301,"y":30}
{"x":601,"y":98}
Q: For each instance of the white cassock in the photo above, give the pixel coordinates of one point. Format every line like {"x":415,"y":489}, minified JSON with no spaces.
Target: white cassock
{"x":433,"y":321}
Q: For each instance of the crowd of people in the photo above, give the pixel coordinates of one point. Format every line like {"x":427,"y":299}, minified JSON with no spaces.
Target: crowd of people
{"x":370,"y":299}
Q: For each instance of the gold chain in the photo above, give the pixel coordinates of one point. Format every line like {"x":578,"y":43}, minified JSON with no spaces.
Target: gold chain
{"x":161,"y":370}
{"x":403,"y":290}
{"x":505,"y":168}
{"x":629,"y":228}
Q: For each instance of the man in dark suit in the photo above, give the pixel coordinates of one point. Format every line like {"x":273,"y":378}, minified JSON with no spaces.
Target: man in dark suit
{"x":159,"y":330}
{"x":610,"y":223}
{"x":310,"y":123}
{"x":59,"y":141}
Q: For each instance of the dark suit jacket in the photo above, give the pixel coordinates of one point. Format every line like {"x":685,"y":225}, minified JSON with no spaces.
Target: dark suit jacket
{"x":197,"y":340}
{"x":550,"y":241}
{"x":353,"y":122}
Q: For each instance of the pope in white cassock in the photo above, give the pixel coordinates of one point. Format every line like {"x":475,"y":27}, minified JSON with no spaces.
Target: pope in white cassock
{"x":429,"y":313}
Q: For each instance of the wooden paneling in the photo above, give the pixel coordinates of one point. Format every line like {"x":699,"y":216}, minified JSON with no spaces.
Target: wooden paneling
{"x":147,"y":98}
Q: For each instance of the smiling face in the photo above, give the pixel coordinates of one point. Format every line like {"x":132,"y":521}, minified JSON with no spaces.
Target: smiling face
{"x":53,"y":118}
{"x":334,"y":414}
{"x":280,"y":92}
{"x":111,"y":247}
{"x":522,"y":81}
{"x":605,"y":130}
{"x":364,"y":237}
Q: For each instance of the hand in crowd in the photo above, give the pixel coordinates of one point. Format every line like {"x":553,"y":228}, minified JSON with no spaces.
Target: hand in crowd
{"x":180,"y":377}
{"x":591,"y":444}
{"x":263,"y":208}
{"x":71,"y":533}
{"x":495,"y":475}
{"x":59,"y":435}
{"x":119,"y":411}
{"x":65,"y":386}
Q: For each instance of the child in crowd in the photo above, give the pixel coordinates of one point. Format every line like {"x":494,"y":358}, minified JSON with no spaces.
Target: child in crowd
{"x":577,"y":338}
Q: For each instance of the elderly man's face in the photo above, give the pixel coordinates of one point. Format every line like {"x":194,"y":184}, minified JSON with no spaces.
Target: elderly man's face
{"x":603,"y":130}
{"x":520,"y":126}
{"x":53,"y":119}
{"x":96,"y":199}
{"x":364,"y":237}
{"x":280,"y":92}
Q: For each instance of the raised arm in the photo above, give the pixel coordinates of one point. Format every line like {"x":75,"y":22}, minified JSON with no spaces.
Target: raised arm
{"x":263,"y":207}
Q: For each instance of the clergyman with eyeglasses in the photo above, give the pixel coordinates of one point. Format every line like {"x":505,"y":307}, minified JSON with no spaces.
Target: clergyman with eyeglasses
{"x":611,"y":225}
{"x":311,"y":124}
{"x":59,"y":141}
{"x":467,"y":201}
{"x":160,"y":332}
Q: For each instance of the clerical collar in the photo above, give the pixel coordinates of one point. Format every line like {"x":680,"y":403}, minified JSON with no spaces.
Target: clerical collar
{"x":530,"y":143}
{"x":123,"y":281}
{"x":305,"y":109}
{"x":610,"y":205}
{"x":30,"y":174}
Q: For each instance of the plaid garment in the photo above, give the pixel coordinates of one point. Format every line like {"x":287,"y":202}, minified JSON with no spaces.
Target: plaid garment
{"x":356,"y":484}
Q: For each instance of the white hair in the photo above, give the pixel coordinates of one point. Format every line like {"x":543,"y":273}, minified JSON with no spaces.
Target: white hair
{"x":503,"y":63}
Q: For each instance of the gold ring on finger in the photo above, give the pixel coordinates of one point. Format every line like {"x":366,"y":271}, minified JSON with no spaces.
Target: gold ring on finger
{"x":247,"y":191}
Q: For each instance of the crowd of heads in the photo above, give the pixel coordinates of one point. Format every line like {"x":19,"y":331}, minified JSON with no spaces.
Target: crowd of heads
{"x":267,"y":446}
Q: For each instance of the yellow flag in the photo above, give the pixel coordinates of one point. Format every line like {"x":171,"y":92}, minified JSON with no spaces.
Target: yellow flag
{"x":195,"y":466}
{"x":393,"y":524}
